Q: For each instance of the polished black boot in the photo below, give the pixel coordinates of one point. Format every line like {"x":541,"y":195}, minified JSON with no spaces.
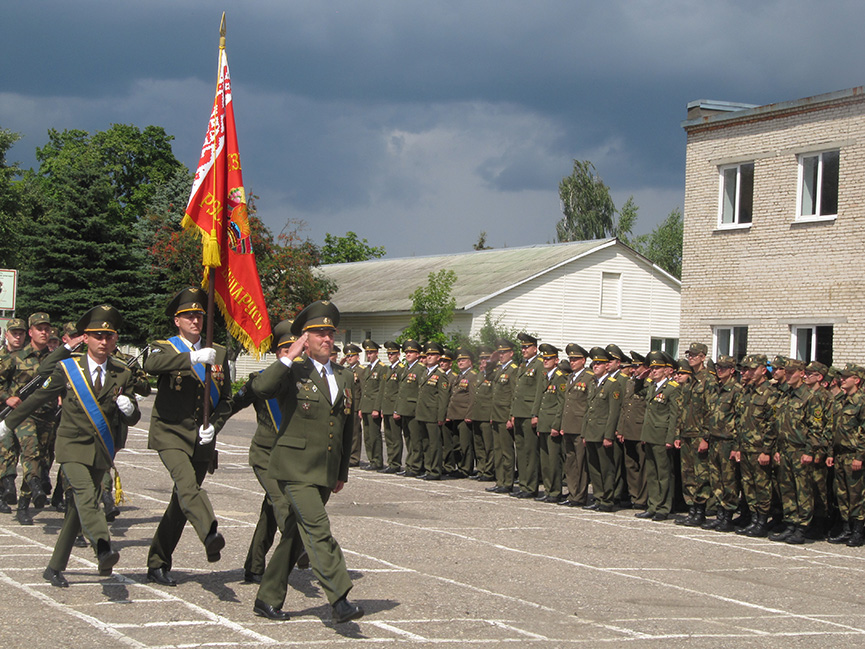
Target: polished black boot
{"x":23,"y":512}
{"x":798,"y":535}
{"x":857,"y":537}
{"x":784,"y":534}
{"x":842,"y":535}
{"x":684,"y":520}
{"x":725,"y":523}
{"x":698,"y":517}
{"x":10,"y":494}
{"x":760,"y":528}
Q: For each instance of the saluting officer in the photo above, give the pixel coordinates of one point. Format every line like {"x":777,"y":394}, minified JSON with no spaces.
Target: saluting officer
{"x":94,"y":389}
{"x":185,"y":446}
{"x":309,"y":460}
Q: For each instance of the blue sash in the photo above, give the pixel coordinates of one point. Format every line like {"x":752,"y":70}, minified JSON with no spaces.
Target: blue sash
{"x":181,"y":347}
{"x":274,"y":411}
{"x":88,"y":400}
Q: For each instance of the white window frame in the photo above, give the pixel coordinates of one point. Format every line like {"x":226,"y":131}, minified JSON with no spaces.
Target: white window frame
{"x":794,"y":339}
{"x":617,"y":297}
{"x":800,"y":186}
{"x":715,"y":336}
{"x":722,"y":185}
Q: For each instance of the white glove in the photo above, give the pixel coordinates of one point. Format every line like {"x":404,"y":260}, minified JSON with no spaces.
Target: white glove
{"x":206,"y":355}
{"x":124,"y":404}
{"x":206,"y":435}
{"x":5,"y":431}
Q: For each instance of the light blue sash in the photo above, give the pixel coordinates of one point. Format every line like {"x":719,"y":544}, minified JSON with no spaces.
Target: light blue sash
{"x":85,"y":395}
{"x":181,"y":347}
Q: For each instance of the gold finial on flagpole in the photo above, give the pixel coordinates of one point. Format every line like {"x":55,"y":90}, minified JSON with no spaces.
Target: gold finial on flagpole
{"x":222,"y":32}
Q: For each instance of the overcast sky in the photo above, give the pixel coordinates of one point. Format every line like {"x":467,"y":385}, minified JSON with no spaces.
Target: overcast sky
{"x":420,"y":124}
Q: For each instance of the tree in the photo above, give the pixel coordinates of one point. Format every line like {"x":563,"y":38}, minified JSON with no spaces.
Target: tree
{"x":341,"y":250}
{"x":588,"y":208}
{"x":432,"y":308}
{"x":664,"y":245}
{"x":10,"y":202}
{"x":482,"y":242}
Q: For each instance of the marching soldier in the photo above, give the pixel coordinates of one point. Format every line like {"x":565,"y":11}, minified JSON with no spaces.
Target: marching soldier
{"x":185,"y":446}
{"x":94,"y":388}
{"x":579,"y":385}
{"x":371,"y":390}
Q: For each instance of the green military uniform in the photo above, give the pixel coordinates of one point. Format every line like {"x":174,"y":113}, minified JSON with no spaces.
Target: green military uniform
{"x":432,"y":403}
{"x":658,"y":435}
{"x":503,"y":378}
{"x":722,"y":404}
{"x":756,"y":436}
{"x":174,"y":433}
{"x":83,"y":454}
{"x":372,"y":393}
{"x":309,"y":460}
{"x":630,"y":427}
{"x":529,"y":386}
{"x":576,"y":469}
{"x":482,"y":430}
{"x":462,"y":394}
{"x":392,"y":427}
{"x":599,"y":426}
{"x":406,"y":408}
{"x":550,"y":406}
{"x":359,"y":372}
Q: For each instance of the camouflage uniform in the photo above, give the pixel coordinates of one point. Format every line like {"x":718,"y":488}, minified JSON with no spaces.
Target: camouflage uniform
{"x":849,"y":445}
{"x":693,"y":429}
{"x":722,"y":406}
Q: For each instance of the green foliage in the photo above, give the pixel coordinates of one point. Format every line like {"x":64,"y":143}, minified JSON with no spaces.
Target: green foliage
{"x":588,"y":208}
{"x":482,"y":242}
{"x":664,"y":245}
{"x":432,"y":308}
{"x":489,"y":333}
{"x":340,"y":250}
{"x":10,"y":203}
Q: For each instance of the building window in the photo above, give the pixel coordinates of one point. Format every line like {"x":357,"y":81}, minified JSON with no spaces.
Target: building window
{"x":818,"y":184}
{"x":812,"y":343}
{"x":346,"y":339}
{"x":737,"y":194}
{"x":611,"y":294}
{"x":669,"y":345}
{"x":730,"y":341}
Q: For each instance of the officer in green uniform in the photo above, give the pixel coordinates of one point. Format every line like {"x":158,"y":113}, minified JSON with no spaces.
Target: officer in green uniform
{"x":479,"y":414}
{"x":432,"y":403}
{"x":524,"y":416}
{"x":351,"y":361}
{"x":389,"y":392}
{"x":406,"y":408}
{"x":372,"y":393}
{"x":628,"y":433}
{"x":848,"y":455}
{"x":450,"y":434}
{"x":16,"y":371}
{"x":550,"y":406}
{"x":274,"y":507}
{"x":723,"y":479}
{"x":502,"y":373}
{"x":661,"y":393}
{"x":599,"y":430}
{"x":756,"y":440}
{"x":177,"y":433}
{"x":309,"y":460}
{"x":94,"y":389}
{"x":580,"y":383}
{"x":462,"y":395}
{"x":618,"y":360}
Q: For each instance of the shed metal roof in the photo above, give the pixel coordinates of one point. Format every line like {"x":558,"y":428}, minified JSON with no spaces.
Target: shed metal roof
{"x":384,"y":285}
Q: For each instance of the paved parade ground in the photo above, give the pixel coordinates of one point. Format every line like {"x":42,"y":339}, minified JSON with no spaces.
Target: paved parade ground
{"x":433,"y":564}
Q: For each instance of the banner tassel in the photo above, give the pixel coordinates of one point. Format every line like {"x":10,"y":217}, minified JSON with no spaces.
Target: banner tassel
{"x":119,"y":497}
{"x":211,"y":250}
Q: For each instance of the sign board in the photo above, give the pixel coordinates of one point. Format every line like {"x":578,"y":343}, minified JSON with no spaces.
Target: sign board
{"x":8,"y":289}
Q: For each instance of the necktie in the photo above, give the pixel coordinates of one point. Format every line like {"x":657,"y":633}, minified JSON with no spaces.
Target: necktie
{"x":326,"y":385}
{"x":97,"y":384}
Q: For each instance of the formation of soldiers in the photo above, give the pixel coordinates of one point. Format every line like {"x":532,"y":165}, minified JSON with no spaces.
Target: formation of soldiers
{"x":757,"y":448}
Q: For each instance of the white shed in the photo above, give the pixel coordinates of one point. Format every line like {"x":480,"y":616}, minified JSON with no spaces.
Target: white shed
{"x":589,"y":292}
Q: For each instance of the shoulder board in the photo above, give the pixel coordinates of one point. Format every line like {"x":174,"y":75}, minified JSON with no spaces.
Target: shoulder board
{"x":558,"y":372}
{"x":473,"y":371}
{"x":590,"y":372}
{"x":675,"y":384}
{"x":612,"y":379}
{"x":401,"y":364}
{"x":514,"y":366}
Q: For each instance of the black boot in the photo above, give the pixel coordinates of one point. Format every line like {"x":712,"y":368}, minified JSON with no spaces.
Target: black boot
{"x":760,"y":528}
{"x":23,"y":513}
{"x":37,"y":493}
{"x":842,"y":535}
{"x":857,"y":537}
{"x":713,"y":525}
{"x":743,"y":520}
{"x":784,"y":534}
{"x":798,"y":535}
{"x":685,"y":520}
{"x":698,"y":518}
{"x":57,"y":500}
{"x":726,"y":521}
{"x":111,"y":510}
{"x":10,"y":494}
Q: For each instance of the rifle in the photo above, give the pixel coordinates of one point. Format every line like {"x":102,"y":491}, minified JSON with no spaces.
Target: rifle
{"x":23,"y":393}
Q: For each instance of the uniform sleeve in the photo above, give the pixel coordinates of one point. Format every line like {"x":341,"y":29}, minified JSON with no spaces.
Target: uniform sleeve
{"x":163,"y":358}
{"x":444,"y":395}
{"x":53,"y":387}
{"x":675,"y":402}
{"x":615,"y":400}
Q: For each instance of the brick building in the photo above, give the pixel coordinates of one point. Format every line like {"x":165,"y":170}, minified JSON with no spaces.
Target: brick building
{"x":774,"y":228}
